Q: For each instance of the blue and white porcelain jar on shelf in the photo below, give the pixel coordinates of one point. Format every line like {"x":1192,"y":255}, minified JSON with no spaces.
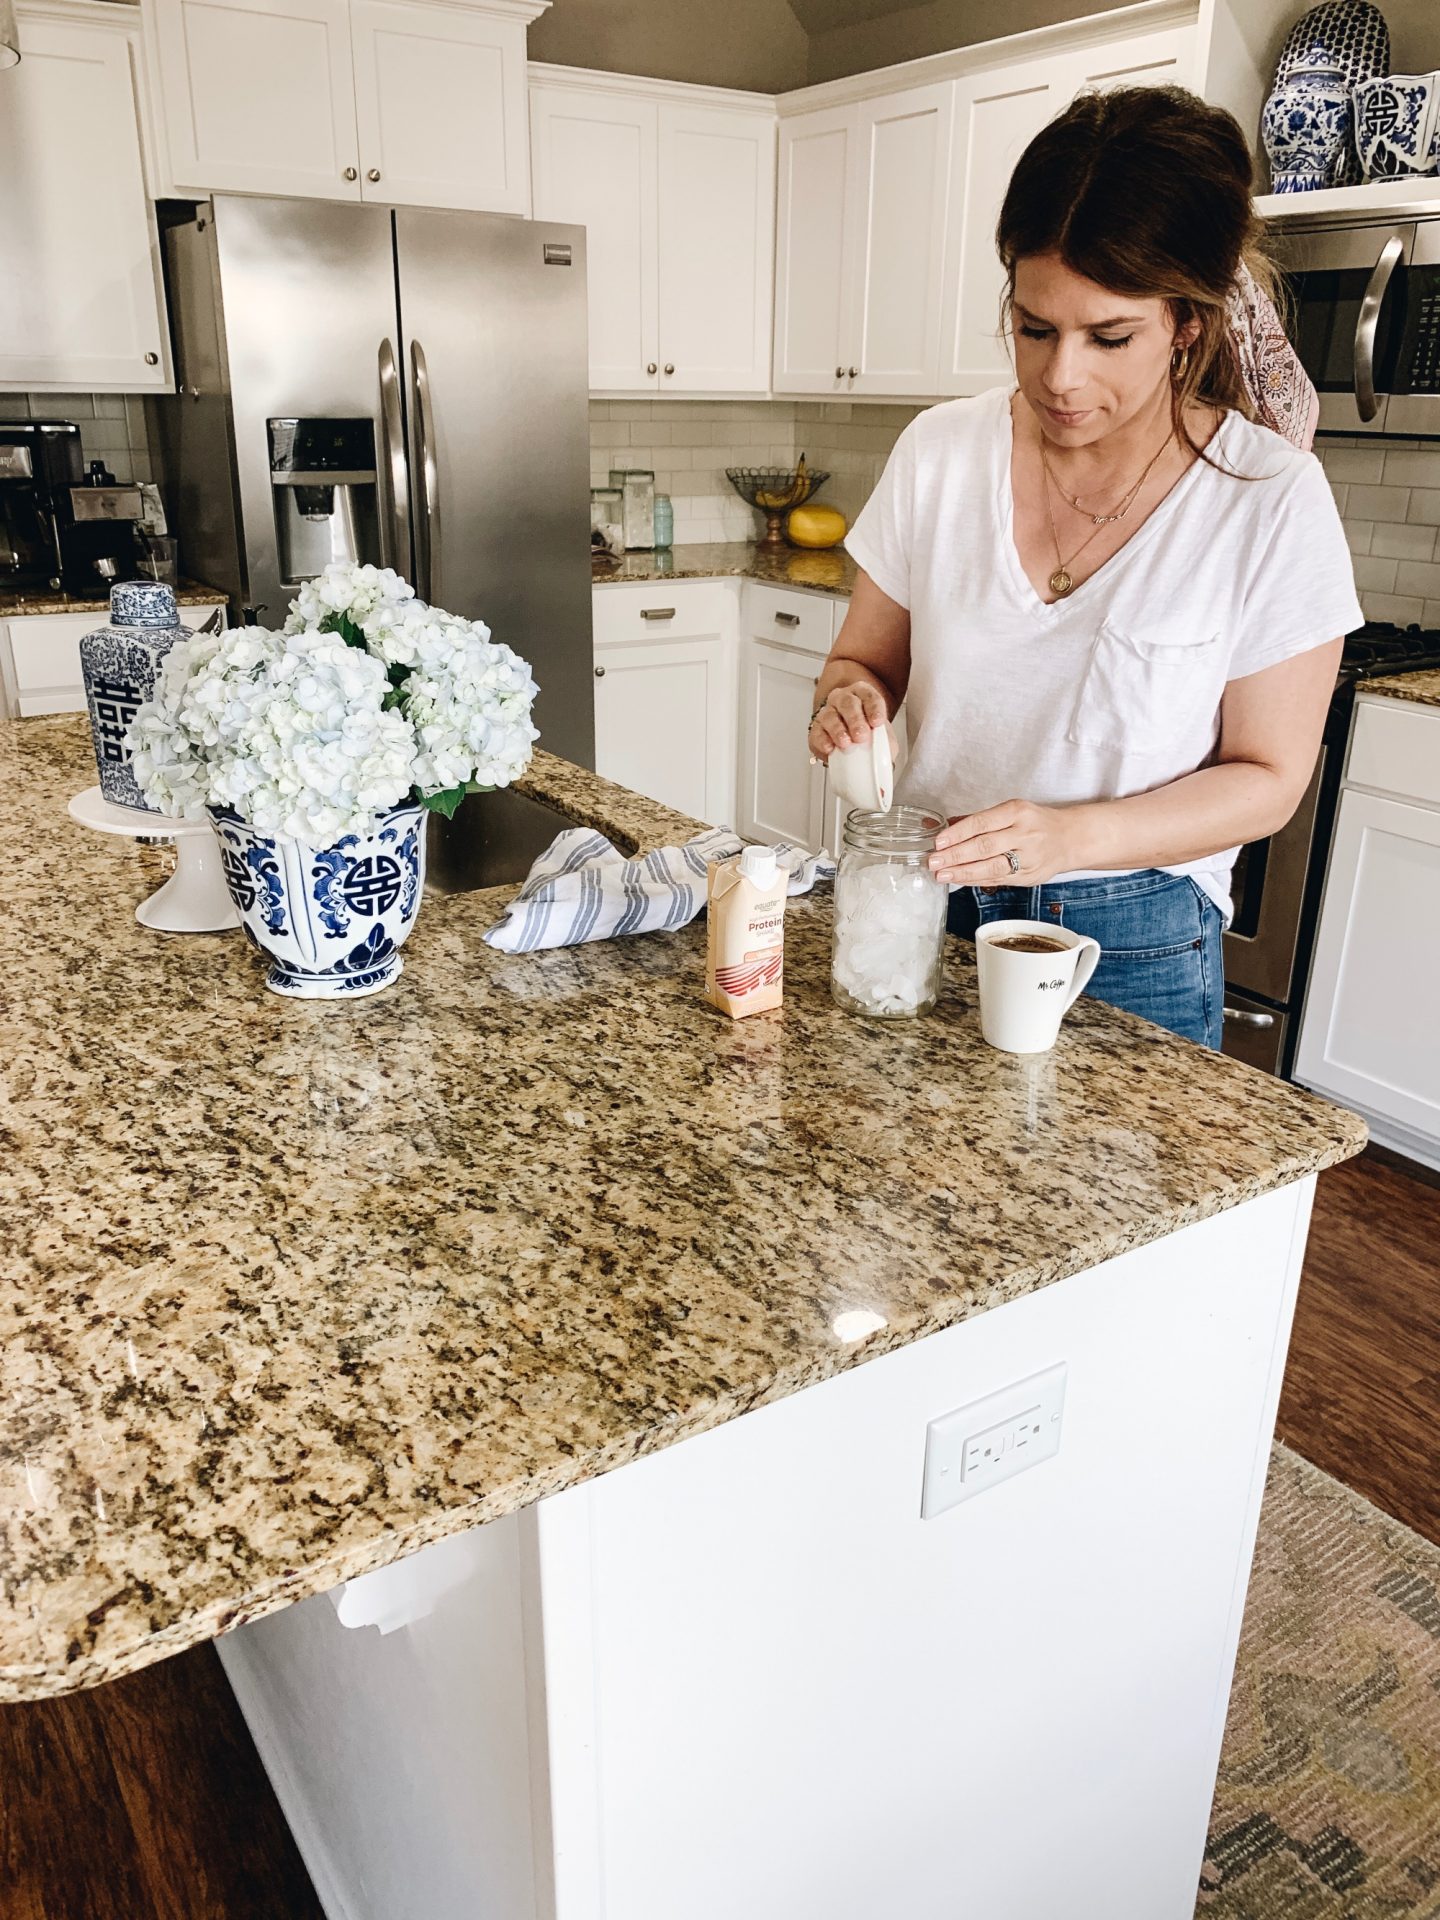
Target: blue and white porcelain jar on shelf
{"x":120,"y":664}
{"x":1307,"y":126}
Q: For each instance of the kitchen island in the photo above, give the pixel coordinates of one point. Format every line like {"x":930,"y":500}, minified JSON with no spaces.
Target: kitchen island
{"x":636,"y":1322}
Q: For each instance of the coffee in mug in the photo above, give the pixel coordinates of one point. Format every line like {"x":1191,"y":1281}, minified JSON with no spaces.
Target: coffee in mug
{"x":1031,"y":975}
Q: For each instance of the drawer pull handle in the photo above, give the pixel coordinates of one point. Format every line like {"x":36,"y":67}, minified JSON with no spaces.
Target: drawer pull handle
{"x":657,"y":613}
{"x":1241,"y":1017}
{"x":787,"y":619}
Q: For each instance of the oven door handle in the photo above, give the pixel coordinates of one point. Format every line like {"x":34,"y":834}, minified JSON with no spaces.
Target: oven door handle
{"x":1241,"y":1017}
{"x":1368,"y":321}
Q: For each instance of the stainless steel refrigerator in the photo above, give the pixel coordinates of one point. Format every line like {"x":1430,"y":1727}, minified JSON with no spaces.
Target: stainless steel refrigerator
{"x":409,"y":386}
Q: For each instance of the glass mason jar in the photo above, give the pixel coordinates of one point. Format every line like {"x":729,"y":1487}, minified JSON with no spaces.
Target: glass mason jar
{"x":889,"y":941}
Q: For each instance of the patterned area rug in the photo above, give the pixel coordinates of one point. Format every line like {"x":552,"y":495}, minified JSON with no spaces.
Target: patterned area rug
{"x":1328,"y":1802}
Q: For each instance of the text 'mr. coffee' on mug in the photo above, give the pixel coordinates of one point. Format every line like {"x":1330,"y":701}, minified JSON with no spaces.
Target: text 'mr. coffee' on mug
{"x":1031,"y":974}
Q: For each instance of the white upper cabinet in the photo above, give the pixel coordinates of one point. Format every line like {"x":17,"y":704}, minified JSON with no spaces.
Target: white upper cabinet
{"x":440,"y":105}
{"x":815,"y":236}
{"x":81,"y":300}
{"x":997,"y":113}
{"x":677,"y":196}
{"x":403,"y":101}
{"x":861,"y":235}
{"x":258,"y":97}
{"x":716,"y":252}
{"x":904,"y":155}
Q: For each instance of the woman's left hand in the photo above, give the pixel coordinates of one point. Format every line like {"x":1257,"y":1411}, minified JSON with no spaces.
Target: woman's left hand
{"x":971,"y":851}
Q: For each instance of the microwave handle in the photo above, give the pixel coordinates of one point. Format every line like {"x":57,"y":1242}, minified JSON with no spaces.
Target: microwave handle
{"x":1369,"y":319}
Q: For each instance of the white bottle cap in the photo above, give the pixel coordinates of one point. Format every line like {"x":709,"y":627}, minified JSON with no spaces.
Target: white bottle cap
{"x":760,"y":865}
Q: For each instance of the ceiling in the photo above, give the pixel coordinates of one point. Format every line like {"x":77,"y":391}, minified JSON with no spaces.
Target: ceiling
{"x":823,"y":16}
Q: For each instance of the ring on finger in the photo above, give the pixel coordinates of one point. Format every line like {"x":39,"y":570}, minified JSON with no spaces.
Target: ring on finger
{"x":1012,"y":860}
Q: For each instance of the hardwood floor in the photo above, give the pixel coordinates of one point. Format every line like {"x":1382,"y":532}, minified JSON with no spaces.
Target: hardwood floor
{"x":144,"y":1800}
{"x":1362,"y":1388}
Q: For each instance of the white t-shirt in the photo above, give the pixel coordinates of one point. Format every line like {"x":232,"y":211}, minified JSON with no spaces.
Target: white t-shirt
{"x":1116,"y":689}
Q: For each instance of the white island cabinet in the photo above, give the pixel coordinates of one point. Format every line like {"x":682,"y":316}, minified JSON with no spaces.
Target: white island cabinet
{"x":1370,"y":1030}
{"x":82,"y":304}
{"x":414,"y":102}
{"x":747,"y":1676}
{"x":40,"y":657}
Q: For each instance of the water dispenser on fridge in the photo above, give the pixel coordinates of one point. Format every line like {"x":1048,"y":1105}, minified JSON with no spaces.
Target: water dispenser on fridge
{"x":322,"y":481}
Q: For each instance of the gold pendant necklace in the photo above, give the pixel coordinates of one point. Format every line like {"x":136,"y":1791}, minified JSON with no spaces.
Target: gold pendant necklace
{"x":1062,"y":581}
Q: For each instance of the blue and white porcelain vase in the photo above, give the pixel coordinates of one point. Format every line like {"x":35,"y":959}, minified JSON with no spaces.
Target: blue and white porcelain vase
{"x":332,"y":919}
{"x":120,"y":665}
{"x":1395,"y":125}
{"x":1307,"y":128}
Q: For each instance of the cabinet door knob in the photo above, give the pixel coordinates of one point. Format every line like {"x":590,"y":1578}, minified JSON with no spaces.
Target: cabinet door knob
{"x":853,"y":372}
{"x":651,"y":367}
{"x":373,"y":174}
{"x":669,"y":366}
{"x":152,"y":359}
{"x":599,"y":673}
{"x":351,"y":173}
{"x":839,"y":373}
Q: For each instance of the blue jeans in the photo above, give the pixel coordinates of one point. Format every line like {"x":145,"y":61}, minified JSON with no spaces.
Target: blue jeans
{"x":1159,"y":937}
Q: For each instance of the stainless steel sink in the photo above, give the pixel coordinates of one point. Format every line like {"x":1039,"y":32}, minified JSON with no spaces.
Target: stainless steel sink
{"x":491,"y":842}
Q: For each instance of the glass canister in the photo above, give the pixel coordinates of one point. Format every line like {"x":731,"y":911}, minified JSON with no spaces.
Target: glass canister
{"x":889,"y":941}
{"x":607,"y":522}
{"x":637,"y":484}
{"x":664,"y":523}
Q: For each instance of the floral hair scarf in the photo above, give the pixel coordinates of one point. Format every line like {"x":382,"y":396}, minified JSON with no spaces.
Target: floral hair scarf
{"x":1278,"y":385}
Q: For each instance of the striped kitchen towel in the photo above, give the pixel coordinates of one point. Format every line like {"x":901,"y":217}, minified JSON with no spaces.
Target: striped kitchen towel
{"x":582,"y":888}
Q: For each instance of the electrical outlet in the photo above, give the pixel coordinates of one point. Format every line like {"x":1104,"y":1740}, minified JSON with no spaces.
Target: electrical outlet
{"x":992,"y":1440}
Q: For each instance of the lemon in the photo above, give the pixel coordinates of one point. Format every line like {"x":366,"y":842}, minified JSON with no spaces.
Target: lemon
{"x":815,"y":526}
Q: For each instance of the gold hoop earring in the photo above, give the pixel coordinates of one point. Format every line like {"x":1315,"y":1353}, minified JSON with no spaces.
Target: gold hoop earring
{"x":1179,"y":365}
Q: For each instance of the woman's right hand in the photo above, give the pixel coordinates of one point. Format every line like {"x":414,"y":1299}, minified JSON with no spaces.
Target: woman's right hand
{"x":848,"y":718}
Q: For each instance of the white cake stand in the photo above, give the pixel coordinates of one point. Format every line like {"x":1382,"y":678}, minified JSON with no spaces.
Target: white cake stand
{"x":195,"y":899}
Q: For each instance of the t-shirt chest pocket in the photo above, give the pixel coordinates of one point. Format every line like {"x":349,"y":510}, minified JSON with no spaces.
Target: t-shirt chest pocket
{"x":1144,"y":690}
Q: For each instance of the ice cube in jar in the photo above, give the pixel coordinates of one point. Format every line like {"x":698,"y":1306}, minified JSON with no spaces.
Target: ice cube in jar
{"x":889,"y":940}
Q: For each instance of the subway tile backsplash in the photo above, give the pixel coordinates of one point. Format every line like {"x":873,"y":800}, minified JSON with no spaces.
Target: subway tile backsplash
{"x":1388,"y":493}
{"x":112,"y":426}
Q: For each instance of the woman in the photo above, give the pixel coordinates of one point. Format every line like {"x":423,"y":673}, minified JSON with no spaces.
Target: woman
{"x":1112,"y":601}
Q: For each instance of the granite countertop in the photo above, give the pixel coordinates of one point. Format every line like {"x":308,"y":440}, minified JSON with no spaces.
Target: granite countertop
{"x":16,"y":605}
{"x":292,"y":1288}
{"x":828,"y":571}
{"x":1422,"y":688}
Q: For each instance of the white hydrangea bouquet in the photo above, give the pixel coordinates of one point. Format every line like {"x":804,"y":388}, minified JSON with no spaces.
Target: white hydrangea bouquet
{"x":318,"y":751}
{"x":368,"y":696}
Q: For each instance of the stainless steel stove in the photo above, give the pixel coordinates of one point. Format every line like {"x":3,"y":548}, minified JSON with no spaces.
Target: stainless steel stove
{"x":1278,"y":882}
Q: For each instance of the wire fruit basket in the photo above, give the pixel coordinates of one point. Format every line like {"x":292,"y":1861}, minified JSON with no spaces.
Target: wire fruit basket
{"x":775,"y":490}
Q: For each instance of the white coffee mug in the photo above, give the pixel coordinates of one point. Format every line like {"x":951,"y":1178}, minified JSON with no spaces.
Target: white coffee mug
{"x":1025,"y":996}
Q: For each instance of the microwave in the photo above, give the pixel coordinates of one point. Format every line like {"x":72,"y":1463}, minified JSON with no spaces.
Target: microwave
{"x":1365,"y":319}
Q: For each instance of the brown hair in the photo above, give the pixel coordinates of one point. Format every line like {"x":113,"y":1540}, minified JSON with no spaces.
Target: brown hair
{"x":1146,"y":191}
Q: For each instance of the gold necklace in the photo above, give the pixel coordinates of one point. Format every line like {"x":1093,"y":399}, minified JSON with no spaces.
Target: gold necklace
{"x":1062,"y":581}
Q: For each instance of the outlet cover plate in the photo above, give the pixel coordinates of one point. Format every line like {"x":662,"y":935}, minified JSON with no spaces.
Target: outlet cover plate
{"x":993,"y":1439}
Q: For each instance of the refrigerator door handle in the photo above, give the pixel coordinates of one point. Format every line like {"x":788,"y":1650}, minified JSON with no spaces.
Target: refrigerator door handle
{"x":395,"y":512}
{"x":427,"y":520}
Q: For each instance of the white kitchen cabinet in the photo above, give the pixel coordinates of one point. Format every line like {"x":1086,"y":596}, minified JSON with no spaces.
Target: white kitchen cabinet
{"x":81,"y":297}
{"x":677,"y":197}
{"x":1369,"y":1034}
{"x":665,"y":692}
{"x":40,"y":656}
{"x":997,"y":113}
{"x":440,"y":105}
{"x":861,"y":234}
{"x":664,"y":723}
{"x":781,"y":796}
{"x":407,"y":101}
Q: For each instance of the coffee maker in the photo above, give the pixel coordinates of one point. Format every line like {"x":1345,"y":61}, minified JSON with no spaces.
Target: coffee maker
{"x":99,"y":535}
{"x":322,"y":481}
{"x":39,"y":461}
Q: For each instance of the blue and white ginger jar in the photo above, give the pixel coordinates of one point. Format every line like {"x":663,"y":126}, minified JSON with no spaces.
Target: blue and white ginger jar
{"x":120,"y":665}
{"x":1395,"y":125}
{"x":332,"y":919}
{"x":1307,"y":129}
